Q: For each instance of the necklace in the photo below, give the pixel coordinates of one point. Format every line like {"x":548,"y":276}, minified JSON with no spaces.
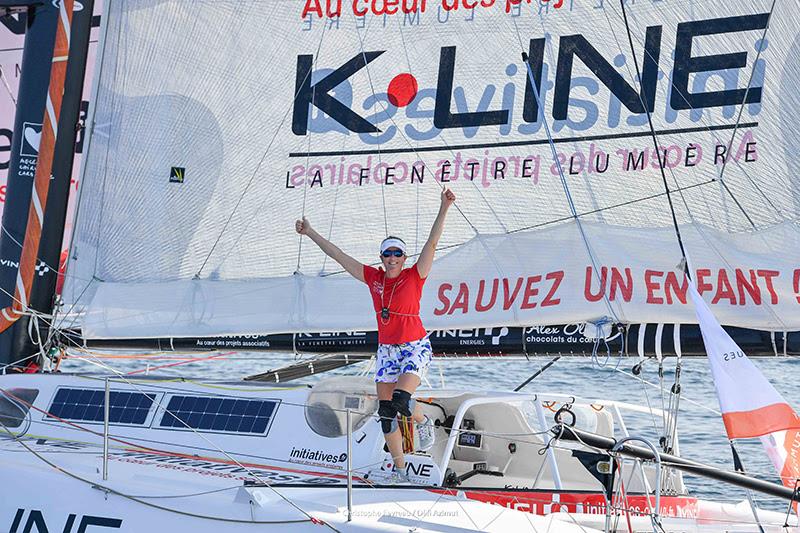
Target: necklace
{"x":385,"y":316}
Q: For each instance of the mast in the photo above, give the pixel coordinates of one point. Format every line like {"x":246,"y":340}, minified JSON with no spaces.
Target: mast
{"x":37,"y":55}
{"x":35,"y":131}
{"x":43,"y":292}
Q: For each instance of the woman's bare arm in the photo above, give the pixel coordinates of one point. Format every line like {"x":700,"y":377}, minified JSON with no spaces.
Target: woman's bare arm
{"x":425,"y":261}
{"x":353,"y":267}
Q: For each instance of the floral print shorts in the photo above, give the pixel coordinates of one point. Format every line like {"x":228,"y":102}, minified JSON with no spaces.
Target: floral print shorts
{"x":394,"y":360}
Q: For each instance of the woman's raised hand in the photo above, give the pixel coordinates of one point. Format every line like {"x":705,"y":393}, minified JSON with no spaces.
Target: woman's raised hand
{"x":448,"y":198}
{"x":302,"y":226}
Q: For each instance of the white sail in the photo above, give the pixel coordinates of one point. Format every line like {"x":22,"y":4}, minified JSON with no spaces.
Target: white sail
{"x":210,"y":138}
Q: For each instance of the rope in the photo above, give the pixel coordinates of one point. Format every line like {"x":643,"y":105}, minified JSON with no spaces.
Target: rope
{"x":679,"y":92}
{"x":661,"y":163}
{"x":192,"y":360}
{"x":255,"y":172}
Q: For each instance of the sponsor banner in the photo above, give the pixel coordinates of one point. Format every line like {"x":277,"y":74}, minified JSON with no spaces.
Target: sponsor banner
{"x":461,"y":293}
{"x":308,"y":456}
{"x":658,"y":339}
{"x":220,"y":469}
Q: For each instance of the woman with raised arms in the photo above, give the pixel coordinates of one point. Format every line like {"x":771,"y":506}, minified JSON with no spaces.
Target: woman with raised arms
{"x":404,"y":351}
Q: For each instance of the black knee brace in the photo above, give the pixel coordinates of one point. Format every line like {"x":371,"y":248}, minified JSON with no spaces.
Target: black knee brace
{"x":401,"y":402}
{"x":388,"y":415}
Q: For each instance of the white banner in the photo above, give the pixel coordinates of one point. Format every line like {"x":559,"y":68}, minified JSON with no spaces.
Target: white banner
{"x":472,"y":286}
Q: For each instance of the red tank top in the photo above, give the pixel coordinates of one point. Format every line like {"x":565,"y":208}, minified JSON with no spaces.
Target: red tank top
{"x":401,"y":295}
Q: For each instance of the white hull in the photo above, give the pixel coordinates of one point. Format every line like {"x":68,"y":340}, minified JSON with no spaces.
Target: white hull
{"x":290,"y":477}
{"x":235,"y":509}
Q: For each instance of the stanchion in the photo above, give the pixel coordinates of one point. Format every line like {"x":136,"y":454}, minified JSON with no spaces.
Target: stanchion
{"x":349,"y":468}
{"x":106,"y":411}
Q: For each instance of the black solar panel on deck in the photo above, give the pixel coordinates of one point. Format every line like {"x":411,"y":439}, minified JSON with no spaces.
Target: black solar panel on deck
{"x":87,"y":405}
{"x":218,"y":414}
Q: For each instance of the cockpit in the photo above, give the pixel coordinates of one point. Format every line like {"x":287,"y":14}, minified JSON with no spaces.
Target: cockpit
{"x":487,"y":439}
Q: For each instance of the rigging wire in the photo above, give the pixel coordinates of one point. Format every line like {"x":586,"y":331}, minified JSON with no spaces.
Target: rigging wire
{"x":666,"y":438}
{"x":257,"y":168}
{"x":410,"y":145}
{"x":372,"y":89}
{"x":761,"y":47}
{"x":448,"y":148}
{"x":7,"y":86}
{"x":416,"y":214}
{"x":310,"y":78}
{"x":677,"y":91}
{"x":564,"y":184}
{"x":674,"y":88}
{"x":661,"y":162}
{"x":564,"y":219}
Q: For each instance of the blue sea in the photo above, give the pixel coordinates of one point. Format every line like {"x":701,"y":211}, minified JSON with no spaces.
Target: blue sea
{"x":702,"y":434}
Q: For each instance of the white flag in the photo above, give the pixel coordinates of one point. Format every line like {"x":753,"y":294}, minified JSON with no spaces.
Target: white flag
{"x":750,"y":405}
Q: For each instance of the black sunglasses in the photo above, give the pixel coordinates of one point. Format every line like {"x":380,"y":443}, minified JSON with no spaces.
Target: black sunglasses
{"x":390,"y":253}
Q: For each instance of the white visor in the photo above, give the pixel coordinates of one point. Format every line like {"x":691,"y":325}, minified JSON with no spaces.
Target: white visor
{"x":393,"y":243}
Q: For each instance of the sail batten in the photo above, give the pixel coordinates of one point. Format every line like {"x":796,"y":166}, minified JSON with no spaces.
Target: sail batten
{"x":209,"y":144}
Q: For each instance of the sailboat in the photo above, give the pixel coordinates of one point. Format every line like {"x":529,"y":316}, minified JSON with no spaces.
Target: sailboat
{"x":578,"y":137}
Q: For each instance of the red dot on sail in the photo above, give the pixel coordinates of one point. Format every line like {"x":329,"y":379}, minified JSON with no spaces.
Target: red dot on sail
{"x":402,"y":89}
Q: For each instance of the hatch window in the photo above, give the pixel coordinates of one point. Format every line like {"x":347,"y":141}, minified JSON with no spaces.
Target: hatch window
{"x":14,"y":406}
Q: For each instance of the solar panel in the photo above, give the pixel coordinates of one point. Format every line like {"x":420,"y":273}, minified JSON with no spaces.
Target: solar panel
{"x":219,"y":414}
{"x":87,"y":405}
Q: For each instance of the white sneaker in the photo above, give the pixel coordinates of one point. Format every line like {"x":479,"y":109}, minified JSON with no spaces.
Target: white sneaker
{"x":425,"y":434}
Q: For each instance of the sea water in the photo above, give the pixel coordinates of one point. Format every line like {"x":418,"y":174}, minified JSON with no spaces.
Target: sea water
{"x":701,"y":432}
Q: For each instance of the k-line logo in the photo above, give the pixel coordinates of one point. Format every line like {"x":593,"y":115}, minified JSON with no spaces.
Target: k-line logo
{"x":314,"y":89}
{"x":317,"y":456}
{"x":74,"y":522}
